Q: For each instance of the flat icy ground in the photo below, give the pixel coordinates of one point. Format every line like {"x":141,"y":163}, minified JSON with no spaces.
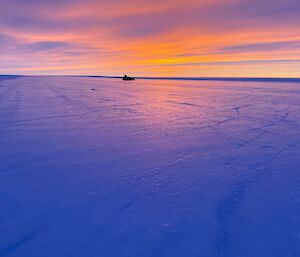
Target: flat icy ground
{"x":93,"y":167}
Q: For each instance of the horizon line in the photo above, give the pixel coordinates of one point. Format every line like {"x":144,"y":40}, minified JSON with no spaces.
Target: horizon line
{"x":249,"y":79}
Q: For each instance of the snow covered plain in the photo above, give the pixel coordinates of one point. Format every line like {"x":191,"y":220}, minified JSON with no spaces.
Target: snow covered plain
{"x":101,"y":167}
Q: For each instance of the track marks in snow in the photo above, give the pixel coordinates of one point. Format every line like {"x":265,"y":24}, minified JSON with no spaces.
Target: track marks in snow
{"x":228,"y":208}
{"x":6,"y":251}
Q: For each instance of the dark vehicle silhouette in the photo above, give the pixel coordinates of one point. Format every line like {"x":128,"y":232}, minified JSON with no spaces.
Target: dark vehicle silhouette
{"x":128,"y":78}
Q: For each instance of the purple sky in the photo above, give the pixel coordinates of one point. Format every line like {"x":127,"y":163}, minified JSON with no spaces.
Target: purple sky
{"x":151,"y":38}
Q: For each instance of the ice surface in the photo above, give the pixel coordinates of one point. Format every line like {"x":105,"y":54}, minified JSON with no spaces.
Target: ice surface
{"x":104,"y":167}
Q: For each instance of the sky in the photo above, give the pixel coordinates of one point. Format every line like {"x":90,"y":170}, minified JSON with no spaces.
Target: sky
{"x":203,"y":38}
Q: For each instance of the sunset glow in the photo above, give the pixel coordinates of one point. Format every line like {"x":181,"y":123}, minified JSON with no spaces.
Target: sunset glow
{"x":151,"y":38}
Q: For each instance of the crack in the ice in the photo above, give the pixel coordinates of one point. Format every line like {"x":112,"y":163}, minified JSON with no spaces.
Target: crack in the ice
{"x":226,"y":120}
{"x":188,"y":104}
{"x":238,"y":109}
{"x":250,"y":140}
{"x":17,"y":122}
{"x":155,"y":175}
{"x":272,"y":123}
